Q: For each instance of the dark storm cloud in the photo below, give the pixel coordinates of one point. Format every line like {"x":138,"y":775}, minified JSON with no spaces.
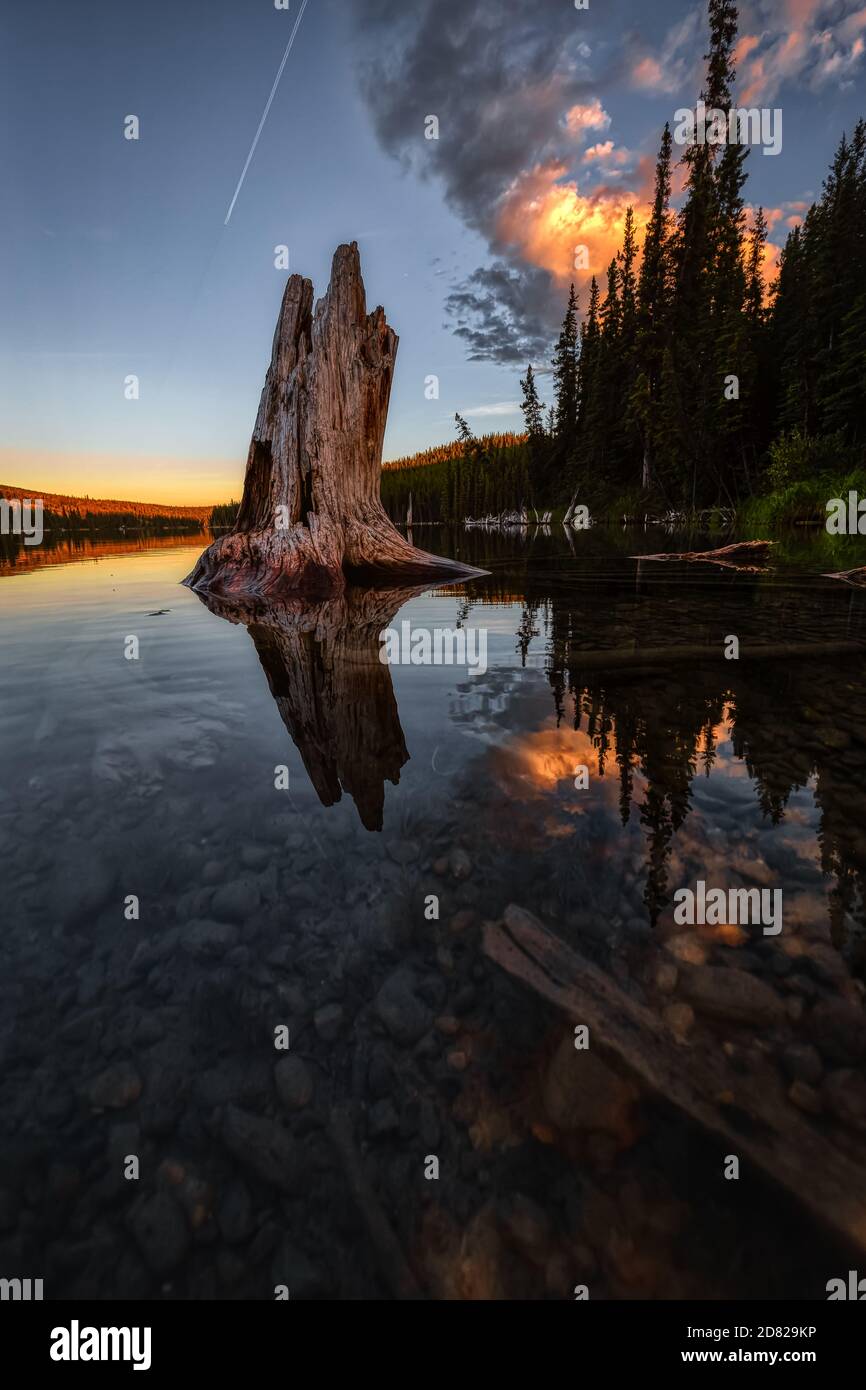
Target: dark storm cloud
{"x":503,"y":314}
{"x":500,"y":77}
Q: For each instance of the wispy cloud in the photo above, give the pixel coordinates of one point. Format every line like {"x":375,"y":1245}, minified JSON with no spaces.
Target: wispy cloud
{"x":671,"y":68}
{"x":497,"y":408}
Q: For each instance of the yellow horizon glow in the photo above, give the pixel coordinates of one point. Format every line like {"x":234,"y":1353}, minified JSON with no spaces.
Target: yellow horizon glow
{"x":177,"y":481}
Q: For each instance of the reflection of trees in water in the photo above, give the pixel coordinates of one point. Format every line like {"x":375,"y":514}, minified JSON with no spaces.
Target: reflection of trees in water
{"x":659,"y":721}
{"x":636,"y":727}
{"x":651,"y":720}
{"x":842,"y":852}
{"x":56,"y":549}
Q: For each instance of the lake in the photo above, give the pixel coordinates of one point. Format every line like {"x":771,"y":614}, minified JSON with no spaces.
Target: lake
{"x":223,"y":836}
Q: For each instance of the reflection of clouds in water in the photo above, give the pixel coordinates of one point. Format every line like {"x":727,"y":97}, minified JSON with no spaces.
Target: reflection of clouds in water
{"x":803,"y":846}
{"x":724,"y":837}
{"x":534,"y":765}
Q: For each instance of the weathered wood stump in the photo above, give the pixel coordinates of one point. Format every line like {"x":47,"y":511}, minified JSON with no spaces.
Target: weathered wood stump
{"x":333,"y":692}
{"x":311,"y":508}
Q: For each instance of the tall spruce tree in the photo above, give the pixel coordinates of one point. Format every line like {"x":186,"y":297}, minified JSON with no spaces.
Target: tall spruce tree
{"x":565,"y":379}
{"x":696,"y":319}
{"x":533,"y":413}
{"x":653,"y":310}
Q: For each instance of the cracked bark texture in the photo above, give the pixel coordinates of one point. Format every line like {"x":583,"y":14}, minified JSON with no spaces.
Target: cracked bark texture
{"x":311,"y":509}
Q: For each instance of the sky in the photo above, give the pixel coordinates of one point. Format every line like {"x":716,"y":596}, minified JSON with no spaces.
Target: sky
{"x":116,"y":259}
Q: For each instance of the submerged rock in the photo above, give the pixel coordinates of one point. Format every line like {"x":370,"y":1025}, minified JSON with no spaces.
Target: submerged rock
{"x":263,"y":1147}
{"x":732,"y":996}
{"x":207,"y":940}
{"x":844,"y":1094}
{"x":160,"y":1231}
{"x":328,"y":1022}
{"x":294,"y":1082}
{"x":582,"y":1093}
{"x":115,"y":1088}
{"x":838,"y":1029}
{"x":405,"y":1016}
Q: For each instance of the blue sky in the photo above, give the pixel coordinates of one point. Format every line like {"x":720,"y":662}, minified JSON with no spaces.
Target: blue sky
{"x":115,"y":257}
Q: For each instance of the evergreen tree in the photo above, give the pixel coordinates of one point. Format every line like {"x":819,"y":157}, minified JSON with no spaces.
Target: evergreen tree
{"x":644,"y":388}
{"x":844,"y":402}
{"x":653,"y":309}
{"x":792,"y":334}
{"x":533,"y":413}
{"x":565,"y":378}
{"x":754,"y":296}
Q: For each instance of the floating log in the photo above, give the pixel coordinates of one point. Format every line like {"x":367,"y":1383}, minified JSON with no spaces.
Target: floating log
{"x":738,"y":555}
{"x":749,"y":1112}
{"x":311,"y":507}
{"x":856,"y":577}
{"x":698,"y":652}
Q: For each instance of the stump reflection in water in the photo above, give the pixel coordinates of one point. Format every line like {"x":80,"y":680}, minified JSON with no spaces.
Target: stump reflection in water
{"x":334,"y":694}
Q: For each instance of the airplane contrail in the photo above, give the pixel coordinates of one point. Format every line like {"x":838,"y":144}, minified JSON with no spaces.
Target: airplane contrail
{"x":266,"y":110}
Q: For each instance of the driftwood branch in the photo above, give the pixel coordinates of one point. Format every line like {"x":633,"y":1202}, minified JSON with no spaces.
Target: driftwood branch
{"x":741,"y":555}
{"x":749,"y":1112}
{"x":857,"y":577}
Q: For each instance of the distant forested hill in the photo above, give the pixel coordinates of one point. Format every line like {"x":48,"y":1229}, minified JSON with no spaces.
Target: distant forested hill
{"x":64,"y":512}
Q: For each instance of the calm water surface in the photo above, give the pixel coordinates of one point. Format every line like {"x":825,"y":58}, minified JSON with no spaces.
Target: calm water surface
{"x":312,"y":907}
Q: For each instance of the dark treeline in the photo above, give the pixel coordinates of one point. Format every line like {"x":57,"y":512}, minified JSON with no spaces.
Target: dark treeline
{"x":72,"y":522}
{"x":224,"y":515}
{"x":687,"y":384}
{"x":690,"y":381}
{"x":468,"y":477}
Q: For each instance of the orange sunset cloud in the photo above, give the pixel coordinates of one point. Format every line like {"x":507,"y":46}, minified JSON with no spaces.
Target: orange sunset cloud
{"x":546,"y":217}
{"x":590,"y":117}
{"x":648,"y":73}
{"x":607,"y":150}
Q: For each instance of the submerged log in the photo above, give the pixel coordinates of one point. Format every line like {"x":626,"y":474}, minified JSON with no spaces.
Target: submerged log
{"x":387,"y":1249}
{"x":740,"y":555}
{"x":749,"y":1112}
{"x":311,"y":507}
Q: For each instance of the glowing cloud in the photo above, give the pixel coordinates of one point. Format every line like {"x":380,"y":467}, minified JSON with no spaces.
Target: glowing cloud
{"x":545,"y":217}
{"x":590,"y":117}
{"x":648,"y":73}
{"x":599,"y":151}
{"x":806,"y":49}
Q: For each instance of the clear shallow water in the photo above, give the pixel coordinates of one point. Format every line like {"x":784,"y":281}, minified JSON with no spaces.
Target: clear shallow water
{"x":306,"y":907}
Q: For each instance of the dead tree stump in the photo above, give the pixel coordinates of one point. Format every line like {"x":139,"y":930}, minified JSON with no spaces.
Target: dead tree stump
{"x":311,"y":509}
